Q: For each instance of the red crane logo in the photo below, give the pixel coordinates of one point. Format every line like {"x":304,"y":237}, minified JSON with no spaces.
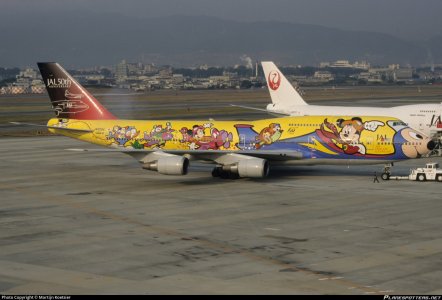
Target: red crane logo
{"x":274,"y":80}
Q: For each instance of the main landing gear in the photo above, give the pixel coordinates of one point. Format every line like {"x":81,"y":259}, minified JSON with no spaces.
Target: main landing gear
{"x":387,"y":171}
{"x":437,"y":151}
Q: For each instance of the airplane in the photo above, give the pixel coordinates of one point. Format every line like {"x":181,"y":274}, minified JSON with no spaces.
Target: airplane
{"x":237,"y":148}
{"x":426,"y":118}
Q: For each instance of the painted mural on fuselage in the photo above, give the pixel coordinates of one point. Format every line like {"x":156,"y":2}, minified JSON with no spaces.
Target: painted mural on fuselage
{"x":314,"y":136}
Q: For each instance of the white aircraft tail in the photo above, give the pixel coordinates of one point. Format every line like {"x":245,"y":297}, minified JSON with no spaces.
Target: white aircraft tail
{"x":281,"y":90}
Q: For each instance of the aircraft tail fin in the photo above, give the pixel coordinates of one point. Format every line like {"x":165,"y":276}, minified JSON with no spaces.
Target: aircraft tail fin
{"x":281,"y":90}
{"x":69,"y":99}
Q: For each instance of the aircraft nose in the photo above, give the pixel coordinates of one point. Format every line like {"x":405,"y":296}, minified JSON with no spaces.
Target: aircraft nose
{"x":431,"y":145}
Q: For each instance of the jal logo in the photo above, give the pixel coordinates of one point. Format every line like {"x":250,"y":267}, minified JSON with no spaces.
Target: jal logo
{"x":274,"y":80}
{"x":64,"y":83}
{"x":436,"y":121}
{"x":383,"y":138}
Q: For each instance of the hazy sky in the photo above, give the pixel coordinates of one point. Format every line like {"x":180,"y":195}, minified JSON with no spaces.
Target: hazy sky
{"x":412,"y":19}
{"x":89,"y":31}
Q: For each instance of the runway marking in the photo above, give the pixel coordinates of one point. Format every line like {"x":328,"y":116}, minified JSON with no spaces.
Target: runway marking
{"x":227,"y":249}
{"x":272,"y":229}
{"x":332,"y":278}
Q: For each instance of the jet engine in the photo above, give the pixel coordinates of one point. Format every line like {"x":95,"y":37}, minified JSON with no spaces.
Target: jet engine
{"x":169,"y":165}
{"x":254,"y":168}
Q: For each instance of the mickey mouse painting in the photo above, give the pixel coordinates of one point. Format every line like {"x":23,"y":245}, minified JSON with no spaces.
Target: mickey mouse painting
{"x":349,"y":136}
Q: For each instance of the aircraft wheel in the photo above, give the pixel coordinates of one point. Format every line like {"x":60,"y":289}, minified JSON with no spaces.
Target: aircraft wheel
{"x":224,"y":174}
{"x":233,"y":176}
{"x":216,"y":172}
{"x":385,"y":176}
{"x":421,"y":177}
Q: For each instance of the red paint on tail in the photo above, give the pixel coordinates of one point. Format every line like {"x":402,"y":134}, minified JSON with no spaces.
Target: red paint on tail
{"x":69,"y":99}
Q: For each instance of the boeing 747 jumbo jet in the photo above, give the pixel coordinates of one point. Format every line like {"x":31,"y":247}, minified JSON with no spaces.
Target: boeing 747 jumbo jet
{"x":238,"y":148}
{"x":425,"y":118}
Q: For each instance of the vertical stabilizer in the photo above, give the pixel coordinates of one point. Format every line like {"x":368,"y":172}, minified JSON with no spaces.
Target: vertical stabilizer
{"x":69,"y":99}
{"x":281,"y":90}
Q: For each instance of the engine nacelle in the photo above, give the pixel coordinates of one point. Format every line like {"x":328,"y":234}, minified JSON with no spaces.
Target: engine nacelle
{"x":254,"y":168}
{"x":169,"y":165}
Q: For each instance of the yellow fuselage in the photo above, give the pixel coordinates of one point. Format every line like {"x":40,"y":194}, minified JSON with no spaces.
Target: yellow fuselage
{"x":380,"y":138}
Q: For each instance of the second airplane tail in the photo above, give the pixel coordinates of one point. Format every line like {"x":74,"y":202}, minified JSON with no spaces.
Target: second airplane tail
{"x":69,"y":99}
{"x":281,"y":90}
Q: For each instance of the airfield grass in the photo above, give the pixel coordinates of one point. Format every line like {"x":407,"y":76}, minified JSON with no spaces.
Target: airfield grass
{"x":200,"y":104}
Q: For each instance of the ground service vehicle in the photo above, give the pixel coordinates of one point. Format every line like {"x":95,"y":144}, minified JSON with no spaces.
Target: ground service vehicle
{"x":430,"y":172}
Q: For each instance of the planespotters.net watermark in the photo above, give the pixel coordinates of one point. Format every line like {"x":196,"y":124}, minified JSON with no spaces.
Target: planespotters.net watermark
{"x":387,"y":297}
{"x":35,"y":297}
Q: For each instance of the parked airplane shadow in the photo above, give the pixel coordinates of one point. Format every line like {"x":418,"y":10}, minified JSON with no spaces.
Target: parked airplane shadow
{"x":278,"y":173}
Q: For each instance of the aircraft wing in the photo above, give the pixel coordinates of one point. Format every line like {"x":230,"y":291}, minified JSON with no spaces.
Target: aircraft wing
{"x":261,"y":109}
{"x":271,"y":155}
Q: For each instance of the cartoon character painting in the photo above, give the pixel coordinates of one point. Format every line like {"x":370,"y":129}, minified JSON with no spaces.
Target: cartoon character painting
{"x":347,"y":139}
{"x":268,"y":135}
{"x":62,"y":123}
{"x":412,"y":143}
{"x":158,"y":136}
{"x":199,"y":138}
{"x":122,"y":135}
{"x":252,"y":140}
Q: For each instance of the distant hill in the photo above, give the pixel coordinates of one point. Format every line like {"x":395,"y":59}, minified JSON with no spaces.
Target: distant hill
{"x":86,"y":39}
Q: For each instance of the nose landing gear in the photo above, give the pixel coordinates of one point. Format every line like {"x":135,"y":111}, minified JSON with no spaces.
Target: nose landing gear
{"x":387,"y":171}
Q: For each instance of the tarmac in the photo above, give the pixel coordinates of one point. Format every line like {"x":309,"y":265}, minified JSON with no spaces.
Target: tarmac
{"x":96,"y":223}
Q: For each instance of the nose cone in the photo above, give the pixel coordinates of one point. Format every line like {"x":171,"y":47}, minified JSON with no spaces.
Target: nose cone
{"x":431,"y":145}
